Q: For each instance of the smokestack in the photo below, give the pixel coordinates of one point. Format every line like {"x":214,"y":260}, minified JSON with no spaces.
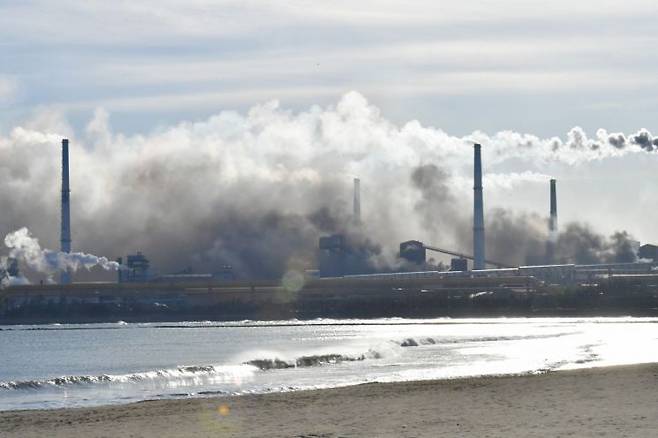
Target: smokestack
{"x":120,"y":271}
{"x":357,"y":201}
{"x":552,"y":226}
{"x":478,"y":211}
{"x":66,"y":208}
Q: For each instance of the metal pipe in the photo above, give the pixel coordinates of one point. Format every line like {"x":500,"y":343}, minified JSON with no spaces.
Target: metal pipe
{"x":465,"y":256}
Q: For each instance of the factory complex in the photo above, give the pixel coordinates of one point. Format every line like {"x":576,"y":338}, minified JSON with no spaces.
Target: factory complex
{"x":346,"y":283}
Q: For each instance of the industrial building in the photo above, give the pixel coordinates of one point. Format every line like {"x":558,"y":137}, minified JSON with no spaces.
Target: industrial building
{"x":414,"y":252}
{"x":136,"y":269}
{"x":648,"y":252}
{"x":338,"y":255}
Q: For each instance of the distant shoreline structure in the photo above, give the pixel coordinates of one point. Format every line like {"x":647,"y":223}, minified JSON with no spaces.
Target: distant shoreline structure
{"x":410,"y":295}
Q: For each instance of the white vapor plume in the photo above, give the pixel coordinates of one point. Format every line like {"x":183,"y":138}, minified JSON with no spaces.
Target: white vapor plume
{"x":26,"y":250}
{"x":256,"y":190}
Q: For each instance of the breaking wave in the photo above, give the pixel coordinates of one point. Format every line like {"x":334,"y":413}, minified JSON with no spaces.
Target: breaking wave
{"x":413,"y":342}
{"x":309,"y":361}
{"x":194,"y":374}
{"x":182,"y":373}
{"x":217,"y":374}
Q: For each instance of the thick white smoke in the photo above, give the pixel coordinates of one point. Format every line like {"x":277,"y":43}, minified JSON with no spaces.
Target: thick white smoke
{"x":256,"y":190}
{"x":26,"y":250}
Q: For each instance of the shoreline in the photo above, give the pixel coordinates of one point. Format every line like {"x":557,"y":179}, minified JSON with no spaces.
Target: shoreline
{"x":646,"y":313}
{"x":618,"y":401}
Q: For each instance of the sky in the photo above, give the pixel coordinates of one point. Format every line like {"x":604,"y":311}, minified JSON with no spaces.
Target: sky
{"x":461,"y":66}
{"x":127,"y":74}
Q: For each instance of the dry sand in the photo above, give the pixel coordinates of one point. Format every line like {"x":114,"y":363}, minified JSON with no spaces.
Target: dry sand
{"x":613,"y":402}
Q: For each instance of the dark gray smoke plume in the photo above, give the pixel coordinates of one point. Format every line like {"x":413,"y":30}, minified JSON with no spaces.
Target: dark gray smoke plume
{"x":645,"y":140}
{"x":621,"y":248}
{"x":512,"y":239}
{"x":515,"y":239}
{"x":617,"y":140}
{"x":577,"y":243}
{"x":642,"y":139}
{"x":437,"y":207}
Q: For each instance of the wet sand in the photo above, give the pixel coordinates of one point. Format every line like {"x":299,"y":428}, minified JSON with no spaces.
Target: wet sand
{"x":614,"y":402}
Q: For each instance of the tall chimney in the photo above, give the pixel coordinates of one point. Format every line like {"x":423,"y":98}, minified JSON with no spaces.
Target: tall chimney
{"x":66,"y":208}
{"x":478,"y":211}
{"x":552,"y":226}
{"x":357,"y":201}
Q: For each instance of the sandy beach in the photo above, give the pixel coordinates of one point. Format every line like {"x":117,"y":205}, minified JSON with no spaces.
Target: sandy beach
{"x":615,"y":402}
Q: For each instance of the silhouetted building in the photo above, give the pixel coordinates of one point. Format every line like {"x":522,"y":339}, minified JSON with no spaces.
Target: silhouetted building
{"x":331,"y":256}
{"x":649,"y":252}
{"x":137,"y":268}
{"x":337,"y":257}
{"x":335,"y":242}
{"x":458,"y":264}
{"x":413,"y":251}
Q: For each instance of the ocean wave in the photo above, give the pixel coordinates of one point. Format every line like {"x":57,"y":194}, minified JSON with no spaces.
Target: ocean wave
{"x":310,"y":361}
{"x":189,"y":373}
{"x":415,"y":342}
{"x":181,"y":373}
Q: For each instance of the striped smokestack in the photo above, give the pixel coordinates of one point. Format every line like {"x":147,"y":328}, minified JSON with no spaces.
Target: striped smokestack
{"x":478,"y":211}
{"x":66,"y":208}
{"x":357,"y":201}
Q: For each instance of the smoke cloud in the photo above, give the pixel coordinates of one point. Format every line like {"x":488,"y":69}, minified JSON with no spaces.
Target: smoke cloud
{"x":27,"y":251}
{"x":257,"y":190}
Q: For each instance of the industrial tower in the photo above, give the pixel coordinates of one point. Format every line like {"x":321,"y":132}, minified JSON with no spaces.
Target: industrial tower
{"x":478,"y":211}
{"x":65,"y":234}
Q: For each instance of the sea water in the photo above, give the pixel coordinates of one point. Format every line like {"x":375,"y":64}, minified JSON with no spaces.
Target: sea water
{"x":51,"y":366}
